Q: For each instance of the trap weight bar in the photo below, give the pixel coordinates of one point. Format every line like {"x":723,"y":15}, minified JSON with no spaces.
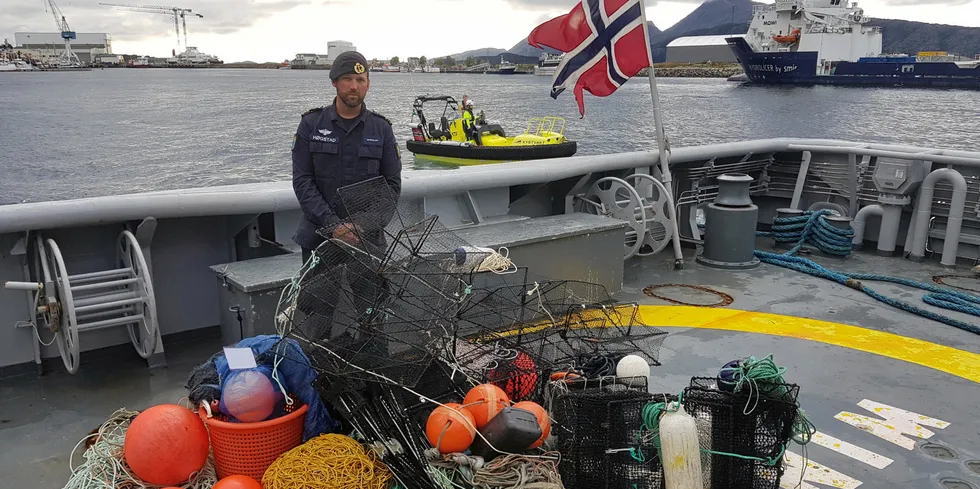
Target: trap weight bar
{"x":67,"y":305}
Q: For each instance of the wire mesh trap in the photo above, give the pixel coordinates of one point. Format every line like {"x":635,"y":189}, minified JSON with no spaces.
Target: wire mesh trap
{"x":755,"y":425}
{"x":398,"y":315}
{"x":597,"y":431}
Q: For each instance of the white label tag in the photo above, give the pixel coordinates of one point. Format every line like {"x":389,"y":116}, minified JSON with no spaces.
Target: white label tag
{"x":240,"y":358}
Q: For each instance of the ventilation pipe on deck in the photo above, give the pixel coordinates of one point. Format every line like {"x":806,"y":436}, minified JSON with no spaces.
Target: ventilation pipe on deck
{"x":954,"y":222}
{"x":891,"y":219}
{"x":860,"y":220}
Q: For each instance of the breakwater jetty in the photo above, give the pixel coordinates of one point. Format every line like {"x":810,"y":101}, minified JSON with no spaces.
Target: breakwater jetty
{"x":699,"y":70}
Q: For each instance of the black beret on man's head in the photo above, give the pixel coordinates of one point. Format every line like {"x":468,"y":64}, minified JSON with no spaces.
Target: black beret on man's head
{"x":346,"y":63}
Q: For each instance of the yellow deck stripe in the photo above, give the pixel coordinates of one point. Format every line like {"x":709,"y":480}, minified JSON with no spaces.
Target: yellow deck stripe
{"x":956,"y":362}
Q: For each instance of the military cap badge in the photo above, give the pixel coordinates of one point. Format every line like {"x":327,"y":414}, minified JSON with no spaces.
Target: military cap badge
{"x":358,"y":68}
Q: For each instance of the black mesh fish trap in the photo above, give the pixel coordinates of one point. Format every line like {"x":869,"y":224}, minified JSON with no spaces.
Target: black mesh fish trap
{"x":520,"y":373}
{"x":746,"y":424}
{"x":611,"y":331}
{"x":598,"y":434}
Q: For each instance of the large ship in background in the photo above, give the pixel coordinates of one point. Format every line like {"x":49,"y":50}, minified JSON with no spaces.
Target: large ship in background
{"x":828,"y":42}
{"x":548,"y":64}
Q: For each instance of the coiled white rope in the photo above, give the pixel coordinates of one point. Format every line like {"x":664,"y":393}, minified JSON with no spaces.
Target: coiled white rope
{"x":104,"y":466}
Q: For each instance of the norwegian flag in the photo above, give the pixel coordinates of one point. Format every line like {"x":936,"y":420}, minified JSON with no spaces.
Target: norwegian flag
{"x":605,"y":43}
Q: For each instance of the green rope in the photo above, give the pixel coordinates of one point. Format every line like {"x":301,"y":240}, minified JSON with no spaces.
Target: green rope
{"x":762,"y":378}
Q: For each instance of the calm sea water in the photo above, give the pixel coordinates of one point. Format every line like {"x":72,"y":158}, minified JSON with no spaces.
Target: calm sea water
{"x":71,"y":135}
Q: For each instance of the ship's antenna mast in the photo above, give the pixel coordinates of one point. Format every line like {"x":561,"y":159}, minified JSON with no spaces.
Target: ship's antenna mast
{"x":179,"y":14}
{"x":68,"y":57}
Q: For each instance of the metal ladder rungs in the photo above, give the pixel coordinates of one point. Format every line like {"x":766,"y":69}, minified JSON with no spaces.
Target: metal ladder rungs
{"x":103,"y":285}
{"x":109,"y":305}
{"x":85,"y":277}
{"x":90,"y":316}
{"x":91,"y":295}
{"x":82,"y":303}
{"x":109,"y":323}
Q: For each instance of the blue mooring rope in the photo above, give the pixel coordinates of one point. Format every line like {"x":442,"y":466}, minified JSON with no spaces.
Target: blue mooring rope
{"x":813,"y":228}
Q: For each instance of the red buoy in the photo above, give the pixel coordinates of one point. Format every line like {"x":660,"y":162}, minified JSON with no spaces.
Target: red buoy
{"x":165,"y":444}
{"x":237,"y":482}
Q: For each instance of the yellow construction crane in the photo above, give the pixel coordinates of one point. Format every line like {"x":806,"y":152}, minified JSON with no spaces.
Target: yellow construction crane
{"x":176,"y":12}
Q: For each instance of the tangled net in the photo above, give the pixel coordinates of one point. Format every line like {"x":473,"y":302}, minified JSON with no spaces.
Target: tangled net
{"x":328,"y":461}
{"x":518,"y":471}
{"x":400,"y":315}
{"x":104,"y":466}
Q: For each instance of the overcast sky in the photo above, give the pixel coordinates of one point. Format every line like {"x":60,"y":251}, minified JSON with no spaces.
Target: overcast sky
{"x":275,"y":30}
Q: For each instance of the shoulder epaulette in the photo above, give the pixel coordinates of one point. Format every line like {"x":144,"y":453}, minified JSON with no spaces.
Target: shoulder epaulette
{"x":381,"y":116}
{"x":308,"y":112}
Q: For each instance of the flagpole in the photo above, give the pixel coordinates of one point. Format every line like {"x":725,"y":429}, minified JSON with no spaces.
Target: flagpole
{"x":662,"y":147}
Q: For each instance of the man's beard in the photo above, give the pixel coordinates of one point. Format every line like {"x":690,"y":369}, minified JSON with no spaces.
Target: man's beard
{"x":356,"y":100}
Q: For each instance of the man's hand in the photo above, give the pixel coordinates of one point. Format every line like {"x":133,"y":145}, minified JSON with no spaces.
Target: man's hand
{"x":347,"y":232}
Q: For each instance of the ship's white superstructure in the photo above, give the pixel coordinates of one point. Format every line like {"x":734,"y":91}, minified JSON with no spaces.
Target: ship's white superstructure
{"x":548,"y":64}
{"x":834,"y":29}
{"x":15,"y":65}
{"x":335,"y":48}
{"x":193,"y":56}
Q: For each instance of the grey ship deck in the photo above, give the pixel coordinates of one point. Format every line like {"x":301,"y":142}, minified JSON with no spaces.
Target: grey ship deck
{"x":850,"y":354}
{"x":43,"y":420}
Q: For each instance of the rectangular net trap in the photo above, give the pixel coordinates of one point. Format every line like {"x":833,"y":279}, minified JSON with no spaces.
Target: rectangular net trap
{"x":397,"y":315}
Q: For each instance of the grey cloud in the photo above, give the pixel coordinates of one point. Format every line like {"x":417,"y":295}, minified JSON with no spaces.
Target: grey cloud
{"x":568,"y":4}
{"x":220,"y":17}
{"x":915,"y":3}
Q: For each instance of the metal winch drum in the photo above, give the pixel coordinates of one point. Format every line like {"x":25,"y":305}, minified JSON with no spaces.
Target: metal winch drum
{"x":649,"y":219}
{"x":69,"y":304}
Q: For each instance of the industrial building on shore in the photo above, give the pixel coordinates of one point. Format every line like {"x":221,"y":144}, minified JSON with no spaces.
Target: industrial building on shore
{"x":701,"y":49}
{"x":91,"y":48}
{"x":321,"y":61}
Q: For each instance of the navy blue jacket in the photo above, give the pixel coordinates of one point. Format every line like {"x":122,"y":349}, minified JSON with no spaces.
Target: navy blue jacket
{"x":327,"y":157}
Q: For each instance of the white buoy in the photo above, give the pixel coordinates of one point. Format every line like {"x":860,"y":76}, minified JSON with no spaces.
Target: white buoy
{"x":680,"y":449}
{"x":631,"y":369}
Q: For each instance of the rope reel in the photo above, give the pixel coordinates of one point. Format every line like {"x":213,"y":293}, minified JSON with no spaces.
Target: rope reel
{"x":648,"y":219}
{"x":70,"y":304}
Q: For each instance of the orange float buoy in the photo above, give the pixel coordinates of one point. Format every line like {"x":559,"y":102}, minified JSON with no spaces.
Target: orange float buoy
{"x":450,"y":428}
{"x":485,"y":401}
{"x":564,"y":376}
{"x":165,"y":444}
{"x":544,"y":421}
{"x":237,"y":482}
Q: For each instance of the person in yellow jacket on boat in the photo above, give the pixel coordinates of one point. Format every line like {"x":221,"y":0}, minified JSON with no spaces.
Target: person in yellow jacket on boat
{"x":469,"y":120}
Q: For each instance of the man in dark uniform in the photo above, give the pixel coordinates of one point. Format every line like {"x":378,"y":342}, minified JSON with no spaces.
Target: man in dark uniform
{"x":335,"y":146}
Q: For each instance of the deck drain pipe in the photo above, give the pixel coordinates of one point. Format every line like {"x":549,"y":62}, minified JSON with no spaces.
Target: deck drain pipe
{"x":860,"y":220}
{"x":730,"y":225}
{"x":954,"y":222}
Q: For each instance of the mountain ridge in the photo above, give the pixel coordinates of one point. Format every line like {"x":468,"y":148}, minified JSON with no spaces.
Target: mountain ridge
{"x":717,"y":17}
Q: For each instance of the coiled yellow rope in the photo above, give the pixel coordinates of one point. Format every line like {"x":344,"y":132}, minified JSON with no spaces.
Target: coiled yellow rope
{"x":328,"y":461}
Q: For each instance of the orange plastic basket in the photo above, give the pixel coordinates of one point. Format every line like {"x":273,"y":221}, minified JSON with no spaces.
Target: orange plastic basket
{"x":249,"y":448}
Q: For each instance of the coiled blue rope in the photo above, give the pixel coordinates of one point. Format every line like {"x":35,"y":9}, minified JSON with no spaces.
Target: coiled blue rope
{"x":813,"y":228}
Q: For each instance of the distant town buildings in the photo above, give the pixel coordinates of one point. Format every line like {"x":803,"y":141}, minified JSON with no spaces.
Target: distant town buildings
{"x":322,"y":61}
{"x":91,"y":48}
